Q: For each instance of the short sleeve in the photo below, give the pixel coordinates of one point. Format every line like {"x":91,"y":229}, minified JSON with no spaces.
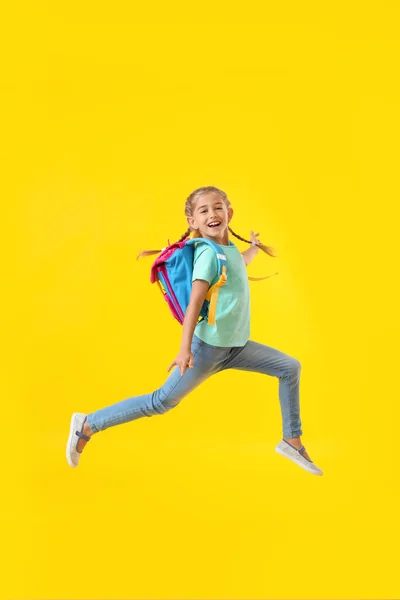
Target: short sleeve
{"x":205,"y":264}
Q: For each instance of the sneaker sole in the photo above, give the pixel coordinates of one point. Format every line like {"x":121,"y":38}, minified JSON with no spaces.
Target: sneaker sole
{"x":305,"y":467}
{"x":69,"y":443}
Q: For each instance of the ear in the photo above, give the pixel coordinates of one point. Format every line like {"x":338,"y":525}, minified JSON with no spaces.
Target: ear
{"x":192,"y":222}
{"x":230,"y":213}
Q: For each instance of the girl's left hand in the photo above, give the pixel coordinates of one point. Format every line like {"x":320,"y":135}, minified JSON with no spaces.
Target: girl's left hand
{"x":253,"y":237}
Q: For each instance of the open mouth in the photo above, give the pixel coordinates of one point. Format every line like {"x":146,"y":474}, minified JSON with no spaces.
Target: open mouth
{"x":215,"y":224}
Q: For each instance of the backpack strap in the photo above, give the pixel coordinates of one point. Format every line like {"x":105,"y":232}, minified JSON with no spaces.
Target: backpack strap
{"x":212,"y":294}
{"x":219,"y":252}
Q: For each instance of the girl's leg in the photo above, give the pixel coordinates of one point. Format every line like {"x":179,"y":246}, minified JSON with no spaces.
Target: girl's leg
{"x":207,"y":361}
{"x":263,"y":359}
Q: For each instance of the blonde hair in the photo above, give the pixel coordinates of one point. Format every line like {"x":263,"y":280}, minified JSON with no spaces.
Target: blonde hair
{"x":189,"y":207}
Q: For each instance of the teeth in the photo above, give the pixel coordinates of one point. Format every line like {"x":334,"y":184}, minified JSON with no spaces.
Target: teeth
{"x":214,"y":224}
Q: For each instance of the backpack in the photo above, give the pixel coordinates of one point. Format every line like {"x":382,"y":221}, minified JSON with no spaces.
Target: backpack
{"x":172,"y":270}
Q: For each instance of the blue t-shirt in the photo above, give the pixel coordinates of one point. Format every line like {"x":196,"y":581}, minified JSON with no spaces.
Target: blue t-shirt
{"x":232,"y":320}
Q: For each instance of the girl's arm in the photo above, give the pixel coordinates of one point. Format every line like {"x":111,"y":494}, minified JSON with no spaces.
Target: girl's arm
{"x":199,"y":291}
{"x":185,"y":357}
{"x":250,"y":253}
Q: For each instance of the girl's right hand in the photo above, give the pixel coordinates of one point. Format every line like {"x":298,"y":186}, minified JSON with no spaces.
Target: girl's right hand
{"x":183,"y":361}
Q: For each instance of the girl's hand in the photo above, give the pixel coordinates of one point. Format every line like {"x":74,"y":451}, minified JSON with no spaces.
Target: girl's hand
{"x":184,"y":360}
{"x":251,"y":252}
{"x":253,"y":237}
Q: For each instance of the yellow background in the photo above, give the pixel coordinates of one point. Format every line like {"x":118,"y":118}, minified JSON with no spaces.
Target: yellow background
{"x":112,"y":113}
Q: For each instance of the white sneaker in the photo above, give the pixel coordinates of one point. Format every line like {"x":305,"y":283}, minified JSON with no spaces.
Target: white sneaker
{"x":296,"y":455}
{"x":75,"y":432}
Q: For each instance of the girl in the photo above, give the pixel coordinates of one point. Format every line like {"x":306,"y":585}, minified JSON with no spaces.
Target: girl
{"x":207,"y":349}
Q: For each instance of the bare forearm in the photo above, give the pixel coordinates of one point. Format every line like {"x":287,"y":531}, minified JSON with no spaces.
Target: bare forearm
{"x":190,"y":322}
{"x":249,"y":254}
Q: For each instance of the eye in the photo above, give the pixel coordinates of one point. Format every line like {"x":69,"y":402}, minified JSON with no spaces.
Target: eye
{"x":203,"y":211}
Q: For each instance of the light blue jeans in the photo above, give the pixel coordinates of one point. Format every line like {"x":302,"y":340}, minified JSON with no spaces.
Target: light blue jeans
{"x":209,"y":360}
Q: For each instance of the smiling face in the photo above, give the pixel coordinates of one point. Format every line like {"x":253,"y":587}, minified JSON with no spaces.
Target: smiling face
{"x":210,"y":217}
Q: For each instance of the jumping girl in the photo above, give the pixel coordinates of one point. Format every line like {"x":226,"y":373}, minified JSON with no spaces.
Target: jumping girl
{"x":207,"y":349}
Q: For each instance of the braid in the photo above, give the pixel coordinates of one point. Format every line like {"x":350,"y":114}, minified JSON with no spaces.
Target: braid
{"x":266,"y":249}
{"x":185,"y":235}
{"x":150,"y":252}
{"x":147,"y":253}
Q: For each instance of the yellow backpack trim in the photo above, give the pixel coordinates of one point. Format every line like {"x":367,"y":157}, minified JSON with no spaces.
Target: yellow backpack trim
{"x":212,"y":296}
